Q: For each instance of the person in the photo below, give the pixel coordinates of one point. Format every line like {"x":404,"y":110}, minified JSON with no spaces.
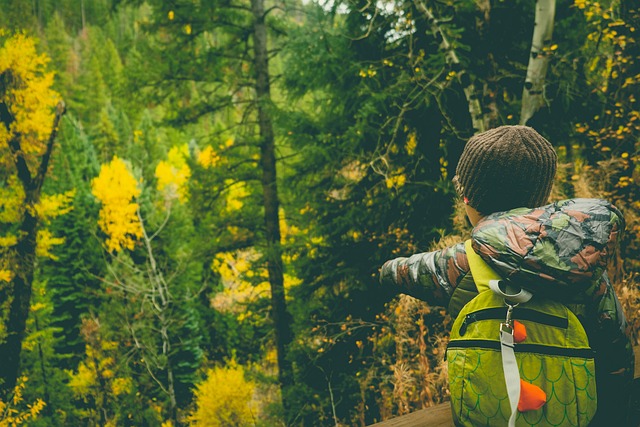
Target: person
{"x":557,"y":250}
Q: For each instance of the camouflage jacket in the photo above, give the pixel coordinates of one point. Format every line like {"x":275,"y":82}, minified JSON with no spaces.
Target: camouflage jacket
{"x":558,"y":250}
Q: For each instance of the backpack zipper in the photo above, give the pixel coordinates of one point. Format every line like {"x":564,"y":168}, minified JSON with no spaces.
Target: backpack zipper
{"x":585,"y":353}
{"x":499,"y":313}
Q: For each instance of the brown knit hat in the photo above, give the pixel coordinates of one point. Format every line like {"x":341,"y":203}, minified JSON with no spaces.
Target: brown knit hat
{"x":505,"y":168}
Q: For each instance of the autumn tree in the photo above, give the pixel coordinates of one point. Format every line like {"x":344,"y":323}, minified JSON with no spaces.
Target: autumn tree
{"x":30,"y":112}
{"x":150,"y":278}
{"x":224,"y":36}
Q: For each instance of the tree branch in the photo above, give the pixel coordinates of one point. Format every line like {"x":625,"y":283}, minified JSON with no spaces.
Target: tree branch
{"x":478,"y":119}
{"x":44,"y":163}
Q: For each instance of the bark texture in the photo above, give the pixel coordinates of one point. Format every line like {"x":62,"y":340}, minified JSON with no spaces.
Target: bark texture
{"x":23,"y":254}
{"x":479,"y":120}
{"x":533,"y":93}
{"x":281,"y":318}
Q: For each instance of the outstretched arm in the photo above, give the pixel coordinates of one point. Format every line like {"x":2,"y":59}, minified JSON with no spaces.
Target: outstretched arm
{"x":429,"y":276}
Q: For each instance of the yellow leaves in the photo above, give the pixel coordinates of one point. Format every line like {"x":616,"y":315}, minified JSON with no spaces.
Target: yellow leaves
{"x":8,"y":240}
{"x":208,"y":158}
{"x":82,"y":381}
{"x":5,"y":275}
{"x":45,"y":242}
{"x":224,"y":398}
{"x":235,"y":195}
{"x":30,"y":99}
{"x":412,"y":143}
{"x":368,"y":73}
{"x":624,"y":181}
{"x":237,"y":274}
{"x":396,"y":181}
{"x":287,"y":232}
{"x":173,"y":174}
{"x":11,"y":200}
{"x":137,"y":135}
{"x":55,"y":205}
{"x":116,"y":189}
{"x":11,"y":416}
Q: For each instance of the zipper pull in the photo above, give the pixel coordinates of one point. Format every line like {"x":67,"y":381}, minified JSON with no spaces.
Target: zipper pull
{"x":469,"y":318}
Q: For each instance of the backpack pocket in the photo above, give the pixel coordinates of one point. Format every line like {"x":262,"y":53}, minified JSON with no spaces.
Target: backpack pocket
{"x":555,"y":356}
{"x":479,"y":396}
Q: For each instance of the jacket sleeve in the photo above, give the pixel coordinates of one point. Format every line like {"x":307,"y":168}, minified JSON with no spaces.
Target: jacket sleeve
{"x":614,"y":359}
{"x":430,"y":276}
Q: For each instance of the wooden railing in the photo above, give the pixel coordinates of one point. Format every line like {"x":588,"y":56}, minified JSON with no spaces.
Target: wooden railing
{"x":440,"y":415}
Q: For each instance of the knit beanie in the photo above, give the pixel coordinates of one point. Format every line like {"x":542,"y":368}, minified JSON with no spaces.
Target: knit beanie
{"x":505,"y":168}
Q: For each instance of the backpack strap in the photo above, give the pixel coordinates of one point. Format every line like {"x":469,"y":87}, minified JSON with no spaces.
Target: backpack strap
{"x":487,"y":278}
{"x":481,"y":271}
{"x":475,"y":281}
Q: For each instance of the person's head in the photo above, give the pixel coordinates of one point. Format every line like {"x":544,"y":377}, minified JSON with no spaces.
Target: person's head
{"x":505,"y":168}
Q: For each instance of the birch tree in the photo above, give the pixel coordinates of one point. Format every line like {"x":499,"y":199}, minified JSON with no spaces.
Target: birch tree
{"x":479,"y":120}
{"x":533,"y":96}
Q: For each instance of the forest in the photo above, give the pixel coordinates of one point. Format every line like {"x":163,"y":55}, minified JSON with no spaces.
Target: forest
{"x":196,"y":196}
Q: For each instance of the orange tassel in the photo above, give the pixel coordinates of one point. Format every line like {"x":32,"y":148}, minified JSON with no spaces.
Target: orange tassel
{"x":532,"y":397}
{"x":519,"y":332}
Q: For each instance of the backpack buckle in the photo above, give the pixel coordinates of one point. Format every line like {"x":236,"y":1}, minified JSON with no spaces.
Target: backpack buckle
{"x":507,"y":325}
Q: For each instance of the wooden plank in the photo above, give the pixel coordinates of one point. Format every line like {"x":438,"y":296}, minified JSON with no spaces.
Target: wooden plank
{"x":440,"y":415}
{"x":435,"y":416}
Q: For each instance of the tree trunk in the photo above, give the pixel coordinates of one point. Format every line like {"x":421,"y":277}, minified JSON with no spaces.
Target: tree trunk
{"x":479,"y":120}
{"x":24,"y":258}
{"x":281,"y":318}
{"x":533,"y":93}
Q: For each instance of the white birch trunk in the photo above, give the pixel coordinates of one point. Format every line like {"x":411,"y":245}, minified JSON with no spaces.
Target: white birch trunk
{"x":533,"y":93}
{"x":479,"y":120}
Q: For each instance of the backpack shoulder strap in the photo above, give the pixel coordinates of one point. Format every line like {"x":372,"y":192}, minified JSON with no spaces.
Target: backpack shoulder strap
{"x":481,"y":271}
{"x":477,"y":280}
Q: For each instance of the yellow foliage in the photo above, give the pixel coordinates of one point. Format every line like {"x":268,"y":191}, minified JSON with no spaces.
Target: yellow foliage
{"x":31,"y":101}
{"x":5,"y":275}
{"x":208,"y":158}
{"x":412,"y":143}
{"x":224,"y":399}
{"x":11,"y":198}
{"x":173,"y":174}
{"x":82,"y":381}
{"x":396,"y":181}
{"x":8,"y":240}
{"x":45,"y":242}
{"x":121,"y":386}
{"x":11,"y":416}
{"x":55,"y":205}
{"x":234,"y":269}
{"x":116,"y":187}
{"x":235,"y":195}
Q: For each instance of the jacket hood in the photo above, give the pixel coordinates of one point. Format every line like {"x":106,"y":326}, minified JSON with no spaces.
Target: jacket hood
{"x":559,"y":249}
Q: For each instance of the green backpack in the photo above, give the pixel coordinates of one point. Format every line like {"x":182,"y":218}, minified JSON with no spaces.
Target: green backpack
{"x":555,"y":358}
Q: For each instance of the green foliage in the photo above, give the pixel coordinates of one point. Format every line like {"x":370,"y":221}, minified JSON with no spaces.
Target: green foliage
{"x":370,"y":119}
